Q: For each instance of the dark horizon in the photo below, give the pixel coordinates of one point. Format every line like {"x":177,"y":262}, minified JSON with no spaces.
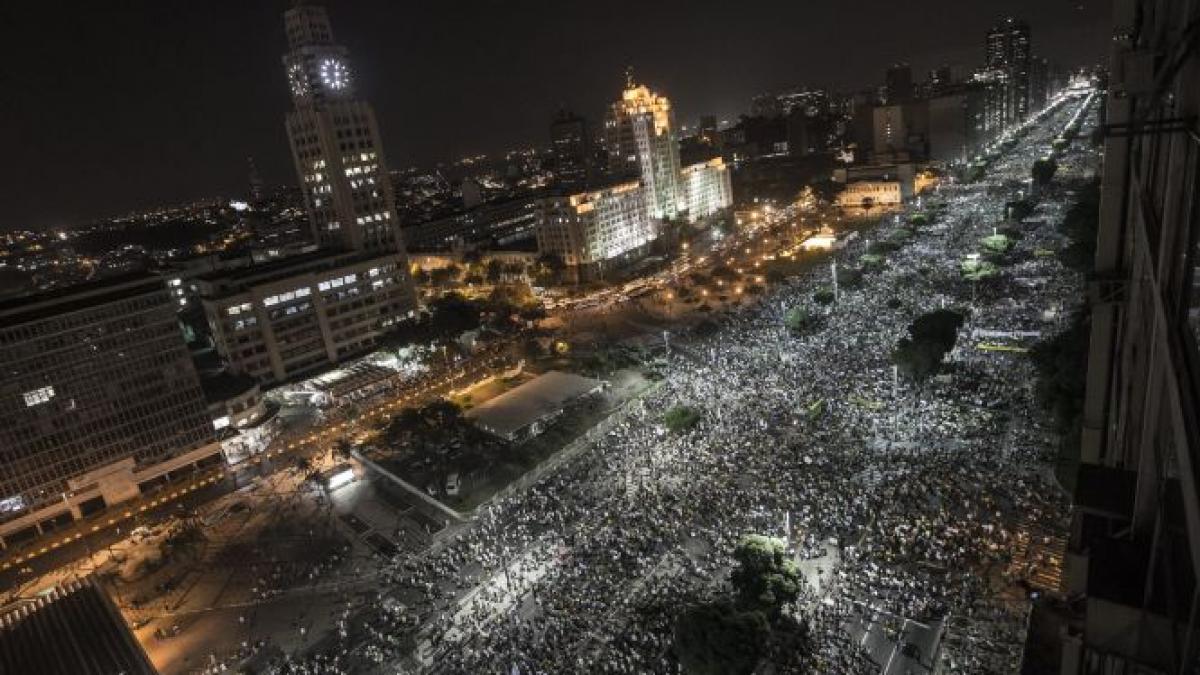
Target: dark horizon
{"x":144,"y":105}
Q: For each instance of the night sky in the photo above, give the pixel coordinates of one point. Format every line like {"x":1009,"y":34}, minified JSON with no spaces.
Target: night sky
{"x":113,"y":106}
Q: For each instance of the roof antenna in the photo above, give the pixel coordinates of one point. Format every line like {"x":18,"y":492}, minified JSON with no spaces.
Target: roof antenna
{"x":629,"y":77}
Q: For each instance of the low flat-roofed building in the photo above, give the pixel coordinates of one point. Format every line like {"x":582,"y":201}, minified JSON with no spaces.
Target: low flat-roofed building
{"x":75,"y":629}
{"x":526,"y":411}
{"x":866,"y":194}
{"x":300,"y":314}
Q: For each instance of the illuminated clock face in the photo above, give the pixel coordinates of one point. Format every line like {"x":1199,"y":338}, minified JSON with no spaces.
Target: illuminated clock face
{"x":298,"y":80}
{"x":334,"y":74}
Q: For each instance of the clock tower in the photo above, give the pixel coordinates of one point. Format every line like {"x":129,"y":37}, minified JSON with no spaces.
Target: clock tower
{"x":335,"y":140}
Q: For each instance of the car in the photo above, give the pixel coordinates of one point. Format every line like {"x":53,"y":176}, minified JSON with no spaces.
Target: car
{"x":452,"y":485}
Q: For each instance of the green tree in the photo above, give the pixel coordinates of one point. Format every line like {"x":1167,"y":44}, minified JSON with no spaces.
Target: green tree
{"x":720,"y":640}
{"x":823,"y":296}
{"x":930,"y":337}
{"x":681,"y":418}
{"x":495,"y":271}
{"x":800,"y":320}
{"x":1043,"y":170}
{"x":766,"y":578}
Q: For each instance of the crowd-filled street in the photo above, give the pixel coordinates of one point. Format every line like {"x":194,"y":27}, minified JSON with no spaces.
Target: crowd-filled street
{"x":921,"y":503}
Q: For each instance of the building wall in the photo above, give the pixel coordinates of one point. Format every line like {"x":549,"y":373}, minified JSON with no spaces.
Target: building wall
{"x":596,"y":229}
{"x":92,"y":378}
{"x":706,"y":189}
{"x":275,"y":330}
{"x":1143,"y":381}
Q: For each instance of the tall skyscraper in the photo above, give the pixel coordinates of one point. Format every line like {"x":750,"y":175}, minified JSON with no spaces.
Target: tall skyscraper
{"x":335,"y":140}
{"x":642,"y":135}
{"x":572,"y":147}
{"x":899,"y":83}
{"x":1008,"y":53}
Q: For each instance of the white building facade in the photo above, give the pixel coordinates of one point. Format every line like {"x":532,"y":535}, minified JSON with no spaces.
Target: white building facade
{"x":642,"y":125}
{"x":706,"y":189}
{"x":598,"y":229}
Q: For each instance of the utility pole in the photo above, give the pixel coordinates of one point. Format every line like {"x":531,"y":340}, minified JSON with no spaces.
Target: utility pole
{"x":833,"y":273}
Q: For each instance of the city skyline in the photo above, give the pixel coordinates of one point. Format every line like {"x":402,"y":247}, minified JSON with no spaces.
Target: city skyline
{"x":178,"y":137}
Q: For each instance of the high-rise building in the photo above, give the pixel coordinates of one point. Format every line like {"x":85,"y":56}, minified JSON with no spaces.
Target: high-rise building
{"x":596,"y":230}
{"x":1008,"y":51}
{"x":335,"y":140}
{"x":707,"y":189}
{"x":99,"y":397}
{"x":1039,"y":83}
{"x":642,"y":134}
{"x":1133,"y":564}
{"x":898,"y":83}
{"x":572,"y":148}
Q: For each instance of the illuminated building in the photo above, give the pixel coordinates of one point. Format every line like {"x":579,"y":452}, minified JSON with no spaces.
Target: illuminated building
{"x":303,"y":313}
{"x":706,"y":189}
{"x":335,"y":141}
{"x":866,"y":194}
{"x":596,"y":230}
{"x":1008,"y":53}
{"x":99,"y":398}
{"x":1133,"y":562}
{"x":643,"y":141}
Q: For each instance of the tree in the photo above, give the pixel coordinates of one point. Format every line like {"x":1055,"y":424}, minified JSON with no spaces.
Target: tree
{"x":717,"y":639}
{"x":823,"y":296}
{"x":918,"y":220}
{"x":930,"y":337}
{"x":766,"y":578}
{"x":1043,"y":170}
{"x":800,"y":320}
{"x":681,"y":418}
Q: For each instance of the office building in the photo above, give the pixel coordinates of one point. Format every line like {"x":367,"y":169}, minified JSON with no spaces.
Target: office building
{"x":597,"y":230}
{"x":957,"y":116}
{"x":497,"y":224}
{"x":643,"y":141}
{"x":571,"y":144}
{"x":99,"y":396}
{"x":707,"y":189}
{"x":898,"y":83}
{"x":335,"y":141}
{"x":901,"y":131}
{"x":294,"y":316}
{"x":1134,"y":556}
{"x":1008,"y":54}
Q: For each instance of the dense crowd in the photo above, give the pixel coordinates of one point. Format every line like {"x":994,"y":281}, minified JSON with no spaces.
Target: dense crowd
{"x":930,"y":497}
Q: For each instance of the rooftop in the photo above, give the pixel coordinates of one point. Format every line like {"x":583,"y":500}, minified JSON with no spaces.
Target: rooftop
{"x":25,"y":309}
{"x":543,"y":397}
{"x":74,"y":629}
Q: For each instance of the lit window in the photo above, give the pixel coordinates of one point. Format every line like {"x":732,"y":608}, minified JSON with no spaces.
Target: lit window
{"x":221,"y":422}
{"x":38,"y":396}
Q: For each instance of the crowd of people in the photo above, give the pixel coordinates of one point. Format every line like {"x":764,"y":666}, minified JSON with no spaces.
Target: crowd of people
{"x":923,"y":491}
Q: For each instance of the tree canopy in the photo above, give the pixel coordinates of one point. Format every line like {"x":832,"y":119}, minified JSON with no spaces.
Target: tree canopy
{"x":766,"y":579}
{"x":1043,"y":170}
{"x":930,"y":337}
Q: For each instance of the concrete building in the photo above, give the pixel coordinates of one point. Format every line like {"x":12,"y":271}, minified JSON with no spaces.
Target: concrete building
{"x":1134,"y":556}
{"x":898,"y":83}
{"x":335,"y":141}
{"x":571,"y":142}
{"x":901,"y":132}
{"x":956,"y":123}
{"x":1008,"y":52}
{"x":597,"y":230}
{"x":642,"y":136}
{"x":99,"y":395}
{"x":707,"y":189}
{"x":276,"y":321}
{"x":869,"y":194}
{"x":503,"y":223}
